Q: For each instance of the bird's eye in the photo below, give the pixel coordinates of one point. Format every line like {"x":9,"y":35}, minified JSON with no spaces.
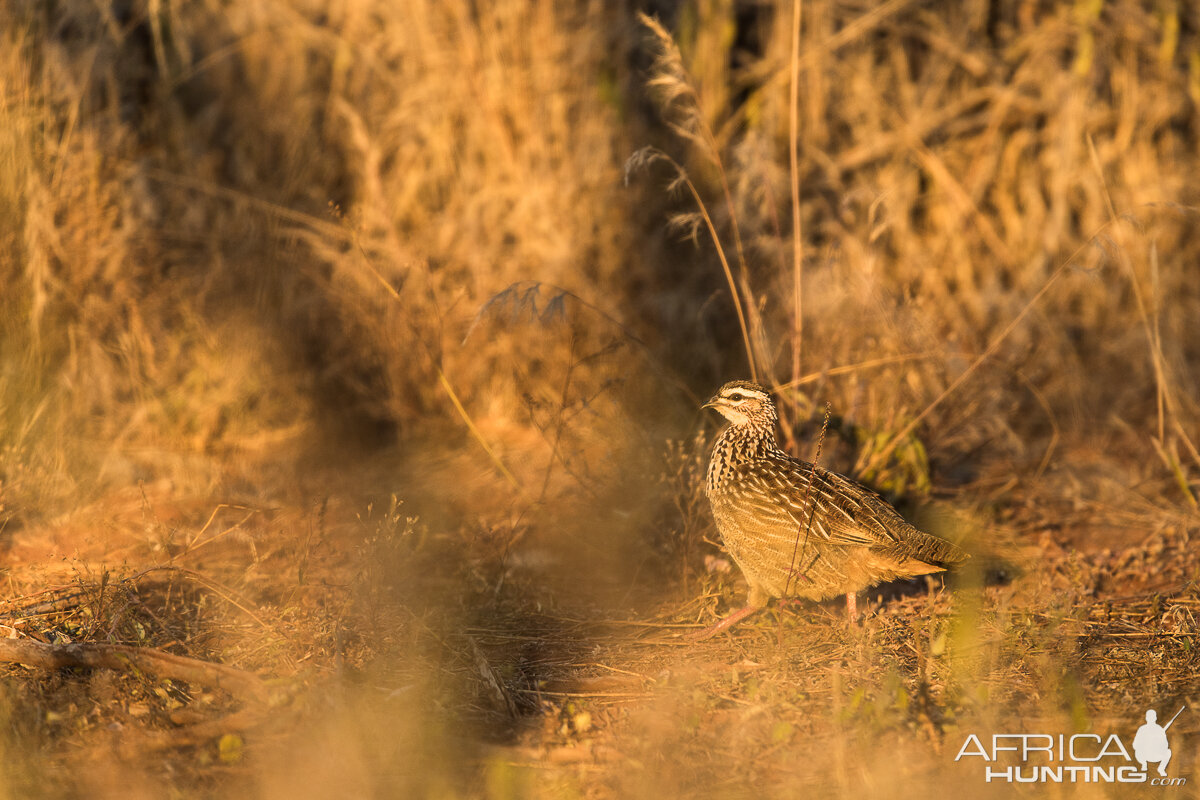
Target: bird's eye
{"x":738,"y":396}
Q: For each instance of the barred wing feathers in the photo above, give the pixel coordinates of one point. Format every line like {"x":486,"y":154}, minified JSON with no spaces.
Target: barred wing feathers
{"x":789,"y":499}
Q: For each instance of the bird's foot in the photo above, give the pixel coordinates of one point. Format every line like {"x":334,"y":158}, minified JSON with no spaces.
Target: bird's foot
{"x":852,"y":607}
{"x":723,"y":624}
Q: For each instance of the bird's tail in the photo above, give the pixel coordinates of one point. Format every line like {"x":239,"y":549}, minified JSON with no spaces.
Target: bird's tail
{"x":931,"y":549}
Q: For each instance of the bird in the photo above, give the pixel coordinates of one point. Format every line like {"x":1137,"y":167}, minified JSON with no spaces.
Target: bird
{"x":797,"y":530}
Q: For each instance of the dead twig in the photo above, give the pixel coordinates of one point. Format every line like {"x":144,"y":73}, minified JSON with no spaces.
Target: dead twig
{"x":239,"y":683}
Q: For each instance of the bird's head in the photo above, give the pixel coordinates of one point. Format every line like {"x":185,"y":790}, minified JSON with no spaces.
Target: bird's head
{"x":744,"y":403}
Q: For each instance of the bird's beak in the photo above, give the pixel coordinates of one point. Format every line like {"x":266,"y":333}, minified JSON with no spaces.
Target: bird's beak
{"x":713,"y":402}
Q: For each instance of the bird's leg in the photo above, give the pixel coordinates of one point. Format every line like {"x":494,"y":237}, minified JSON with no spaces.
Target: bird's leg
{"x":724,"y":624}
{"x":852,"y":606}
{"x":756,"y":601}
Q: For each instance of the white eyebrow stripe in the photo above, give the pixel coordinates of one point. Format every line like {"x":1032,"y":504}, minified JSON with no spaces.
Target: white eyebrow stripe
{"x":745,"y":392}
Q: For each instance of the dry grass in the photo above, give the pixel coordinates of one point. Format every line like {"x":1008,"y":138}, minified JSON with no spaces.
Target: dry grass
{"x":336,"y":348}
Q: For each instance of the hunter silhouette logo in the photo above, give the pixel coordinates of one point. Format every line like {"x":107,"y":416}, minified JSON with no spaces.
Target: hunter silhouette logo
{"x":1077,"y":758}
{"x":1150,"y":743}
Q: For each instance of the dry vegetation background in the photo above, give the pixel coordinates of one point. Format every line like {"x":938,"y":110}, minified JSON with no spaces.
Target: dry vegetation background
{"x":339,"y":346}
